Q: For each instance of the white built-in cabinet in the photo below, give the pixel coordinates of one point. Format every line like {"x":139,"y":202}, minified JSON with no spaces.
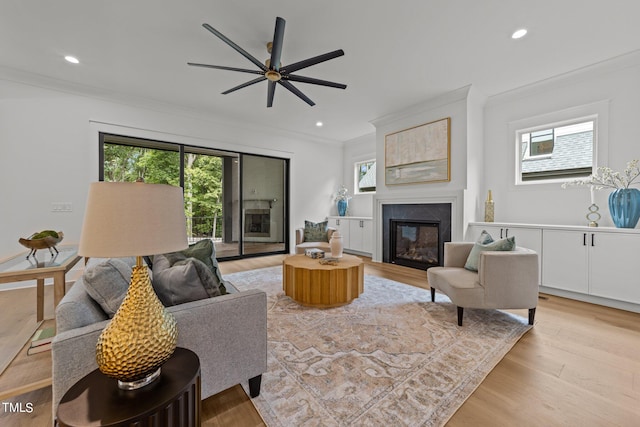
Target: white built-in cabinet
{"x":598,"y":265}
{"x":357,"y":233}
{"x":565,"y":260}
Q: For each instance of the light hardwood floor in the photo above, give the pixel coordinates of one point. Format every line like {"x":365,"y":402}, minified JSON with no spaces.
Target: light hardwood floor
{"x":579,"y":365}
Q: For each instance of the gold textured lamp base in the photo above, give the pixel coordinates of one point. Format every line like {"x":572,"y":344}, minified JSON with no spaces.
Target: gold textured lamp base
{"x":141,"y":336}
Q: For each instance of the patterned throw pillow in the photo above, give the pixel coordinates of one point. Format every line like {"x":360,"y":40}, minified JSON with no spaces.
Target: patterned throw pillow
{"x":316,"y":231}
{"x":507,"y":244}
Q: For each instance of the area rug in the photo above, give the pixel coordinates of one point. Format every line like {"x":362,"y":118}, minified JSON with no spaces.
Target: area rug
{"x":391,"y":357}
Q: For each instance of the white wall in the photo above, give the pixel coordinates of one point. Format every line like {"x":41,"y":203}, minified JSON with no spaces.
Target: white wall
{"x":358,"y":150}
{"x":49,"y":153}
{"x":473,"y":196}
{"x":615,"y":81}
{"x":453,"y":105}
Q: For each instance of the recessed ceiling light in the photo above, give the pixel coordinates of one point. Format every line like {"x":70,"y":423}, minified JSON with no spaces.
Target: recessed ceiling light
{"x":71,"y":59}
{"x":518,"y":34}
{"x":319,"y":124}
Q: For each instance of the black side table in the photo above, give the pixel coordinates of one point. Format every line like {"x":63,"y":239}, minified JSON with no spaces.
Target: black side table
{"x":171,"y":400}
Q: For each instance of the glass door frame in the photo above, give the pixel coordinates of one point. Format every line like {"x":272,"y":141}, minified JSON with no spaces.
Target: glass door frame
{"x":186,"y":148}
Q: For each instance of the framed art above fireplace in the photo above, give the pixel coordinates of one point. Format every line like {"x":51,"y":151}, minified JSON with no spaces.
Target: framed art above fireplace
{"x":419,"y":154}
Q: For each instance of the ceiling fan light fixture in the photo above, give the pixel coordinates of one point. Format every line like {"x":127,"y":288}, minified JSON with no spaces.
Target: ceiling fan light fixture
{"x":272,"y":76}
{"x":273,"y":71}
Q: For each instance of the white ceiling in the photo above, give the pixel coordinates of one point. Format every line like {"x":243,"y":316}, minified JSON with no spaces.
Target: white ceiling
{"x":397,"y":54}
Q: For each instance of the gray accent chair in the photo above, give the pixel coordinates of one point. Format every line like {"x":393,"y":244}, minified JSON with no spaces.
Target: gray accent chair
{"x":504,"y":280}
{"x":228,"y":333}
{"x":301,"y":245}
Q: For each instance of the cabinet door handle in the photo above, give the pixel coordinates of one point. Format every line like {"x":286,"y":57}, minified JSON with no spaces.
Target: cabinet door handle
{"x":584,"y":239}
{"x":506,"y":232}
{"x":593,"y":239}
{"x":501,"y":232}
{"x":337,"y":222}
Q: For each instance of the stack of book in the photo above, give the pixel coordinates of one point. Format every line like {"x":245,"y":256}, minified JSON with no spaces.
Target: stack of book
{"x":41,"y":340}
{"x":314,"y":253}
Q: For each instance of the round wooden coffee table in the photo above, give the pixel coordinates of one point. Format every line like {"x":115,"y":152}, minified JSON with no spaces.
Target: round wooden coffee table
{"x":310,"y":283}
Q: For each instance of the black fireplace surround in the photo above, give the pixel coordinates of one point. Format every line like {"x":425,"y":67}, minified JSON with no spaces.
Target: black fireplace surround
{"x":428,"y":214}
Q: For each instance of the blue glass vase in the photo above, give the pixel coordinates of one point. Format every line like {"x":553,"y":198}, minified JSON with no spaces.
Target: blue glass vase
{"x":624,"y":206}
{"x":342,"y":207}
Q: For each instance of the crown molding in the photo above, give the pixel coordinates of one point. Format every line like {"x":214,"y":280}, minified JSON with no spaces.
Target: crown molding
{"x":437,"y":102}
{"x":92,"y":92}
{"x":627,"y":60}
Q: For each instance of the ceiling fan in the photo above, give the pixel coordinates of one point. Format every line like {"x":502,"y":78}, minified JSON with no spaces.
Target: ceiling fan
{"x":273,"y":70}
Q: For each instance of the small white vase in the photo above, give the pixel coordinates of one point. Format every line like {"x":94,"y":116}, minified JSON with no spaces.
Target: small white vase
{"x":336,"y":245}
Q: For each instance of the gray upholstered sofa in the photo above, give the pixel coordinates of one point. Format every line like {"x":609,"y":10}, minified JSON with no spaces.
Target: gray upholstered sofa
{"x":228,"y":333}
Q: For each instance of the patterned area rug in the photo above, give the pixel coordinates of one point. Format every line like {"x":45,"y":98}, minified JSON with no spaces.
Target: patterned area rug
{"x":391,"y":357}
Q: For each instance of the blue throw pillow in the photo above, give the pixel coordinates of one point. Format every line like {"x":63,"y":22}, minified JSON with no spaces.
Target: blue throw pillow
{"x":484,"y":238}
{"x":507,"y":244}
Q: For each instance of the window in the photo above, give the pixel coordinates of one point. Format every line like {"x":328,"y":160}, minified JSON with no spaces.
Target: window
{"x":559,"y":151}
{"x":365,"y":177}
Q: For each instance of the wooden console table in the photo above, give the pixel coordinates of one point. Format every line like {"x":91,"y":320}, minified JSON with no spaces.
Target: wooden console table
{"x":18,"y":268}
{"x":310,"y":283}
{"x":174,"y":399}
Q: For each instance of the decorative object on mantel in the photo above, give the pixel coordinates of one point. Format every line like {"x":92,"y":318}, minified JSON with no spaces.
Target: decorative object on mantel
{"x":336,"y":244}
{"x":419,"y":154}
{"x":624,"y":202}
{"x":593,"y":216}
{"x":124,"y":219}
{"x":489,"y":208}
{"x":342,"y":200}
{"x":47,"y":239}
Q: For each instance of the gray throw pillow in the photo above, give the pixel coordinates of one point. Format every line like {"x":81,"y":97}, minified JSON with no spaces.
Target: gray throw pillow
{"x":205,"y":251}
{"x":184,"y":280}
{"x":473,"y":260}
{"x":107,"y":284}
{"x":316,"y":231}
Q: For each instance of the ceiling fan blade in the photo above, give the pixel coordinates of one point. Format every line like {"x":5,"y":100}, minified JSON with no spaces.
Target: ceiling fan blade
{"x":296,"y":92}
{"x":311,"y":80}
{"x":271,"y":90}
{"x":240,"y":50}
{"x":276,"y":47}
{"x":311,"y":61}
{"x":220,"y":67}
{"x":249,"y":83}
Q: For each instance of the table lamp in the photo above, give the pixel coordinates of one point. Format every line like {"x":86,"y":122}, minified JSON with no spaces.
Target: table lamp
{"x":124,"y":219}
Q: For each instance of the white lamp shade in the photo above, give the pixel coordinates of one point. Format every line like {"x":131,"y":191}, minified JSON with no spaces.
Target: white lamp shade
{"x":125,"y":219}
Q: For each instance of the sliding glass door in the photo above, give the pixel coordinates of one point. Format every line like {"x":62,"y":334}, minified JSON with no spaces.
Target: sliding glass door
{"x":264,"y":185}
{"x":237,"y":200}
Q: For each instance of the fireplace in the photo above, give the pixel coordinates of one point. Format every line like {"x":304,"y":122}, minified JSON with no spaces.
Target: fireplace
{"x":422,"y":214}
{"x":415,"y":243}
{"x":257,"y":222}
